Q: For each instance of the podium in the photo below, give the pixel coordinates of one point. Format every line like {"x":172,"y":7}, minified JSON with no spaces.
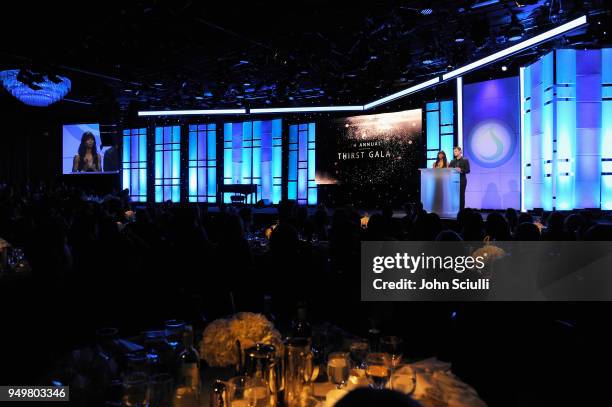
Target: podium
{"x":440,"y":191}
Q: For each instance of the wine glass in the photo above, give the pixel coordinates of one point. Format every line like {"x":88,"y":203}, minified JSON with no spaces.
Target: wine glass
{"x":338,"y":365}
{"x":404,"y":379}
{"x":392,"y":345}
{"x":359,"y":351}
{"x":135,"y":390}
{"x":378,"y":369}
{"x":248,"y":392}
{"x":161,"y":390}
{"x":174,"y":332}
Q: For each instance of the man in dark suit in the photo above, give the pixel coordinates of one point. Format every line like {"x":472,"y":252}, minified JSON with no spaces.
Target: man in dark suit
{"x":463,"y":167}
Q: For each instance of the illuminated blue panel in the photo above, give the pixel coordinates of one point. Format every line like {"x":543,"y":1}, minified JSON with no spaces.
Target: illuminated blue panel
{"x":573,"y":122}
{"x":134,"y":168}
{"x":564,"y":172}
{"x":606,"y":128}
{"x":167,"y":164}
{"x":312,"y":183}
{"x":547,"y":128}
{"x":293,"y":162}
{"x":526,"y":140}
{"x":440,"y":130}
{"x":588,"y":125}
{"x":202,"y":173}
{"x":277,"y":159}
{"x":253,"y":155}
{"x":302,"y":184}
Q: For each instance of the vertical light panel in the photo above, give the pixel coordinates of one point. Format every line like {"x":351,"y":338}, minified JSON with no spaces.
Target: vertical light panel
{"x":460,"y":111}
{"x":302,"y":185}
{"x":588,"y":125}
{"x":440,"y":130}
{"x":575,"y":121}
{"x":548,"y":124}
{"x":277,"y":160}
{"x":228,"y":165}
{"x":167,"y":164}
{"x":565,"y":129}
{"x":253,"y":155}
{"x":606,"y":129}
{"x":202,"y":177}
{"x":522,"y":144}
{"x":134,"y":169}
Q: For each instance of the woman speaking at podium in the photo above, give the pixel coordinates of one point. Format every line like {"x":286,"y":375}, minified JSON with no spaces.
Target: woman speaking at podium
{"x":441,"y":161}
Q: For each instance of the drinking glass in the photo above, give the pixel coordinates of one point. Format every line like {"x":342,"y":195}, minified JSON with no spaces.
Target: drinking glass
{"x":359,"y":351}
{"x":156,"y":349}
{"x":246,"y":392}
{"x":310,"y":402}
{"x":136,"y":362}
{"x":105,"y":341}
{"x":135,"y":390}
{"x":378,"y":369}
{"x":338,"y":366}
{"x":403,"y":379}
{"x":161,"y":390}
{"x":174,"y":329}
{"x":257,"y":392}
{"x":392,"y":345}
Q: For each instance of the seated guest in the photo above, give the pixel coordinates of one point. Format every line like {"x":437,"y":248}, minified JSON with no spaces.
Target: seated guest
{"x":574,"y":225}
{"x":527,"y":232}
{"x":525,"y":217}
{"x":555,"y":228}
{"x":448,"y":236}
{"x":512,"y":219}
{"x":497,"y":228}
{"x":366,"y":397}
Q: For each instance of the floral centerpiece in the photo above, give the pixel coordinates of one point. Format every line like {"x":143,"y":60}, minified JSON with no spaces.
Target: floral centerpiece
{"x":218,"y":345}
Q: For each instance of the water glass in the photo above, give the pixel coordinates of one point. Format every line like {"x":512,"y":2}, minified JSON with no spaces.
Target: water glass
{"x":174,"y":329}
{"x":105,"y":341}
{"x":378,"y":369}
{"x":393,"y":345}
{"x":338,"y":366}
{"x":161,"y":390}
{"x":403,"y":379}
{"x":359,"y":351}
{"x":135,"y":390}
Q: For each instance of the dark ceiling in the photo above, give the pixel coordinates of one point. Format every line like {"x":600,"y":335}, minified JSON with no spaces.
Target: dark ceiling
{"x":189,"y":54}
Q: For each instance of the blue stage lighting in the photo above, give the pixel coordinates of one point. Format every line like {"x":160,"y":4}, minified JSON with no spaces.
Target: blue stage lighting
{"x":39,"y":93}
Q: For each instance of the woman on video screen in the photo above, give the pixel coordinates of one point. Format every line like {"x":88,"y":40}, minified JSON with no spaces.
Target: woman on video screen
{"x":87,"y":158}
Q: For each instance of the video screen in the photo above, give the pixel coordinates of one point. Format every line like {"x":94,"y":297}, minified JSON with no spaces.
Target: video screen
{"x":371,"y":157}
{"x":83,"y":151}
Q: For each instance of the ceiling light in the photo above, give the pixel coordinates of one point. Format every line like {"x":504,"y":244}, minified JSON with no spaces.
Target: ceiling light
{"x":528,"y":43}
{"x":190,"y":112}
{"x":426,"y":11}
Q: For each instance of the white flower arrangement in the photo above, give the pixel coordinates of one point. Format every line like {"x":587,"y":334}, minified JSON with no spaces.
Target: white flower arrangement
{"x":218,"y":345}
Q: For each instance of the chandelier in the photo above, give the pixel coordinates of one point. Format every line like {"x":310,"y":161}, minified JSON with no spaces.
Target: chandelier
{"x":35,"y":89}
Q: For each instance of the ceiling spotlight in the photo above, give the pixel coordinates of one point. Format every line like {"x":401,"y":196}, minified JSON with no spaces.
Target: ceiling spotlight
{"x":426,"y":11}
{"x":504,"y":68}
{"x":427,"y":62}
{"x":459,"y":39}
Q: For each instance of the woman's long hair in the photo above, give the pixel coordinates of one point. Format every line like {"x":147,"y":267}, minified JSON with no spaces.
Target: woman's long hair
{"x":444,"y":160}
{"x":83,"y":150}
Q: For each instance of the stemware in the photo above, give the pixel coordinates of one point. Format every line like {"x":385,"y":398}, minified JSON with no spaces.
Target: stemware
{"x":392,"y":345}
{"x":403,"y":379}
{"x":135,"y":390}
{"x":161,"y":390}
{"x":378,"y":369}
{"x":359,"y":351}
{"x":174,"y":329}
{"x":338,"y":366}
